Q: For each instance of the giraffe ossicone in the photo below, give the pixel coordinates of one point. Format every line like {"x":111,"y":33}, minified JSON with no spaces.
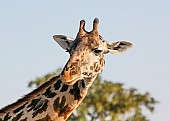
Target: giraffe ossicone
{"x":56,"y":99}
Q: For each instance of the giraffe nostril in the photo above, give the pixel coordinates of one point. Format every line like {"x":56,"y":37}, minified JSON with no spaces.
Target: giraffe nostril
{"x":67,"y":68}
{"x":73,"y":70}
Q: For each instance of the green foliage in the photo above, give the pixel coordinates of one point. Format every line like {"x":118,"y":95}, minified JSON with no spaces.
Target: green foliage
{"x":109,"y":101}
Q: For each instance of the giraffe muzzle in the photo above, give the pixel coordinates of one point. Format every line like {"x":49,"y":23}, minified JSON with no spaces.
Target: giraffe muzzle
{"x":70,"y":75}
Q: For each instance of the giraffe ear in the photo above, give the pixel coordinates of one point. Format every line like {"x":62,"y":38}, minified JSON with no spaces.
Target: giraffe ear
{"x":119,"y":47}
{"x":63,"y":41}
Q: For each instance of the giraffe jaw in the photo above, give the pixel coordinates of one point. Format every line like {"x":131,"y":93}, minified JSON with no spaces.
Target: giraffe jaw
{"x":68,"y":80}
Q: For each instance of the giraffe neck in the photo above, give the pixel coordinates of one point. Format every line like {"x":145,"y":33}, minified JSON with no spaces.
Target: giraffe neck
{"x":53,"y":100}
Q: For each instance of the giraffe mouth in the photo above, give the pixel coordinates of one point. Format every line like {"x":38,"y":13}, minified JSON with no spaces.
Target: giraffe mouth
{"x":70,"y":75}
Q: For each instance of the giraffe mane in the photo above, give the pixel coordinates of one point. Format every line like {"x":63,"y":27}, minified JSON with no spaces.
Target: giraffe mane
{"x":29,"y":96}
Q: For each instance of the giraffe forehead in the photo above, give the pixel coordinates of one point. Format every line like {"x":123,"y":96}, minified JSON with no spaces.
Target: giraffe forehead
{"x":88,"y":44}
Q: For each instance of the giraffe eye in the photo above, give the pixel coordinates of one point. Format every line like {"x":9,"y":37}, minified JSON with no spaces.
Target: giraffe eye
{"x":97,"y":51}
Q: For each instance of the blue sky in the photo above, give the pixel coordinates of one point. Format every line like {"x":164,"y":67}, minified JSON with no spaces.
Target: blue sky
{"x":27,"y":49}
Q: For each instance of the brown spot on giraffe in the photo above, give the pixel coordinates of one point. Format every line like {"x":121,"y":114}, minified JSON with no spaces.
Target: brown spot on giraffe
{"x":83,"y":83}
{"x":56,"y":104}
{"x":41,"y":108}
{"x":18,"y":116}
{"x":49,"y":94}
{"x":64,"y":88}
{"x":33,"y":103}
{"x":7,"y":117}
{"x":19,"y":108}
{"x":62,"y":103}
{"x":57,"y":85}
{"x":75,"y":91}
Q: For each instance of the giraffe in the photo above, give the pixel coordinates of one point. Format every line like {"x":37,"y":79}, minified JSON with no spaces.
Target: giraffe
{"x":56,"y":99}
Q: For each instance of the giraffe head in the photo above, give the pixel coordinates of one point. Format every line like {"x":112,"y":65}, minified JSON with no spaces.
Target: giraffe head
{"x":87,"y":53}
